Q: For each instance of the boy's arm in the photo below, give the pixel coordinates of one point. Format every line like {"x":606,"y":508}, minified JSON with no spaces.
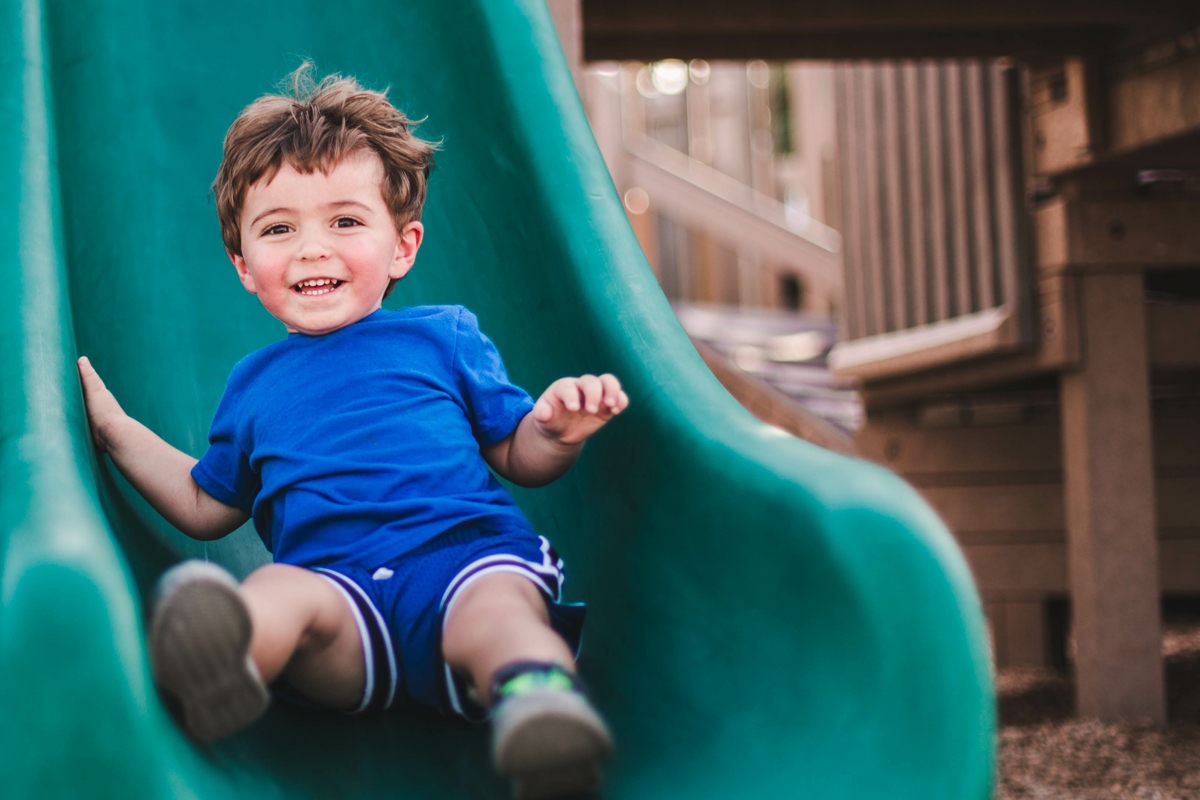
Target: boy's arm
{"x":160,"y":473}
{"x":549,"y":438}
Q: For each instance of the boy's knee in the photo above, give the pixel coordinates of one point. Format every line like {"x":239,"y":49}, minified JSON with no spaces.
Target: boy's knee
{"x":274,"y":573}
{"x":502,"y":594}
{"x":296,"y":597}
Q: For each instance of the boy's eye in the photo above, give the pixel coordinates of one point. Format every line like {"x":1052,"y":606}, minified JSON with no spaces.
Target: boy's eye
{"x":278,"y":227}
{"x":346,"y":222}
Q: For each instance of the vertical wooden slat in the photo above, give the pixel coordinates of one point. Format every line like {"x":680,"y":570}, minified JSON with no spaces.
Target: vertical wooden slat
{"x":894,"y":181}
{"x":935,"y":185}
{"x":873,"y":247}
{"x":699,"y":121}
{"x":931,"y":203}
{"x":686,"y":279}
{"x":854,"y":269}
{"x":984,"y":272}
{"x":915,"y":202}
{"x":1007,"y":175}
{"x":959,"y":208}
{"x":706,"y":277}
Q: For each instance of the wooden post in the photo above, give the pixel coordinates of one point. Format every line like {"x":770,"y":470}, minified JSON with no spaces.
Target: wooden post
{"x":1112,"y":548}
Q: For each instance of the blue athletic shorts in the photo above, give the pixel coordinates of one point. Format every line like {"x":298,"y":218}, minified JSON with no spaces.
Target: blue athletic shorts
{"x":400,"y":607}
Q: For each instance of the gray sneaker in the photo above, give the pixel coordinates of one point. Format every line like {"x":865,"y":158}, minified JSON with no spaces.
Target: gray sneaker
{"x":200,"y":651}
{"x":547,"y":737}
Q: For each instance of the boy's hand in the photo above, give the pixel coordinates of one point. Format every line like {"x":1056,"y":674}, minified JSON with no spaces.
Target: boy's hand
{"x":572,"y":409}
{"x":103,"y":410}
{"x":550,"y":437}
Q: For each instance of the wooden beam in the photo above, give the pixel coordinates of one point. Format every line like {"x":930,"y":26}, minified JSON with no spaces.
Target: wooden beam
{"x":894,"y":15}
{"x":1024,"y":569}
{"x":1134,"y":111}
{"x":1110,"y":507}
{"x":1031,"y":444}
{"x":894,"y":440}
{"x":1057,"y":347}
{"x":1117,"y":234}
{"x":1063,"y":114}
{"x":1041,"y":569}
{"x":861,"y":43}
{"x":1150,"y":107}
{"x":789,"y":29}
{"x":926,"y":346}
{"x":695,"y":194}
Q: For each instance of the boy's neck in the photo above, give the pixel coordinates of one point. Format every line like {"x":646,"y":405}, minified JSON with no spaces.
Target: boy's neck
{"x":293,"y":332}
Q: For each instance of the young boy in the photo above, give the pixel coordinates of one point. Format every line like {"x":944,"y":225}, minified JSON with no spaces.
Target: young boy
{"x":360,"y":446}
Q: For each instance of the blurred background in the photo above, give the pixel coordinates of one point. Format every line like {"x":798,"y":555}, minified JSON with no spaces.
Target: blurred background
{"x":728,"y":172}
{"x":963,"y":241}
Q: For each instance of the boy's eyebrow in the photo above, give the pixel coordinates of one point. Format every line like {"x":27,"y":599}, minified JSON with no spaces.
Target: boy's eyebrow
{"x":342,"y":203}
{"x":267,"y":213}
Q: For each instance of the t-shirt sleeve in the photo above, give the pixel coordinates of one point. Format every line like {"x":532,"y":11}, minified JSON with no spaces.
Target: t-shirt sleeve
{"x":224,"y":471}
{"x":494,"y":405}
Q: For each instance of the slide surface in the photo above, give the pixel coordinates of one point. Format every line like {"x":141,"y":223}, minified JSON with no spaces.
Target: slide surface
{"x":767,"y":619}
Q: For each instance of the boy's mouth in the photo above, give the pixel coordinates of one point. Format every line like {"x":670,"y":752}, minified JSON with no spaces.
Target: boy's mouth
{"x":316,"y":286}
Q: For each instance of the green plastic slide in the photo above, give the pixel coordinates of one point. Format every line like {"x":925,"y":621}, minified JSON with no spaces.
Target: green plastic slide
{"x":767,"y":619}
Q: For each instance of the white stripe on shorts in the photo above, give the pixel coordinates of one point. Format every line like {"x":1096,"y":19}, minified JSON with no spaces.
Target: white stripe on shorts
{"x":384,"y":632}
{"x":365,"y":636}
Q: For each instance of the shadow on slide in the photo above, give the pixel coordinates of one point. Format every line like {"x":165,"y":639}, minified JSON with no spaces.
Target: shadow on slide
{"x":768,"y":619}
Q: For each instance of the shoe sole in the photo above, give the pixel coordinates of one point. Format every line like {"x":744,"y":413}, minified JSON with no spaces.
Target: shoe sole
{"x":550,"y":743}
{"x":199,"y":651}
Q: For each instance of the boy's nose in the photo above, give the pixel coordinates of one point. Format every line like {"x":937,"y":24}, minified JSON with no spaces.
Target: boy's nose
{"x":312,"y":248}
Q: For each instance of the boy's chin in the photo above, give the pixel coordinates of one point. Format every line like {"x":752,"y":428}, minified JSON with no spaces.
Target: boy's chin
{"x":318,"y":327}
{"x":311,"y":331}
{"x":318,"y":322}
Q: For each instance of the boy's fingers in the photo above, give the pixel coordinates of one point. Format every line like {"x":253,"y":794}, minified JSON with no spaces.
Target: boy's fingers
{"x":612,"y":390}
{"x":600,"y":397}
{"x":550,"y":406}
{"x":88,"y":378}
{"x":88,"y":372}
{"x":592,"y":390}
{"x":568,"y":392}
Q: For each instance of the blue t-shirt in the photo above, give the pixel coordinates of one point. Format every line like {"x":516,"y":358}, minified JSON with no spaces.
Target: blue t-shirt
{"x":362,"y":444}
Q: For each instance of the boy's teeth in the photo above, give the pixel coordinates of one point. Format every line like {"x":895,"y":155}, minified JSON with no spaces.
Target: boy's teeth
{"x":319,"y":284}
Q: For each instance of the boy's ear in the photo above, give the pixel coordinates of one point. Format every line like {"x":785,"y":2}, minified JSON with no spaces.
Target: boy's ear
{"x":243,"y":271}
{"x":406,"y":250}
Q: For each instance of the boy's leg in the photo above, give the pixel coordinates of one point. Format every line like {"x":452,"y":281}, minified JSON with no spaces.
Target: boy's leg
{"x":498,"y":620}
{"x":546,"y":735}
{"x":305,"y":630}
{"x":214,"y":644}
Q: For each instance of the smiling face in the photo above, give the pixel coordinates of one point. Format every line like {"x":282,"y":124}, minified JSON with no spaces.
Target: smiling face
{"x":319,"y":249}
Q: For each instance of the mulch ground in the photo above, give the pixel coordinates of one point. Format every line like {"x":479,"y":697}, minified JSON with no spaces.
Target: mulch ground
{"x":1045,"y":753}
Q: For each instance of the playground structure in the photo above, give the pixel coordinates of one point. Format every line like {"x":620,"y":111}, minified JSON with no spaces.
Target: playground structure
{"x":1031,"y":366}
{"x":768,"y":618}
{"x":1020,"y":187}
